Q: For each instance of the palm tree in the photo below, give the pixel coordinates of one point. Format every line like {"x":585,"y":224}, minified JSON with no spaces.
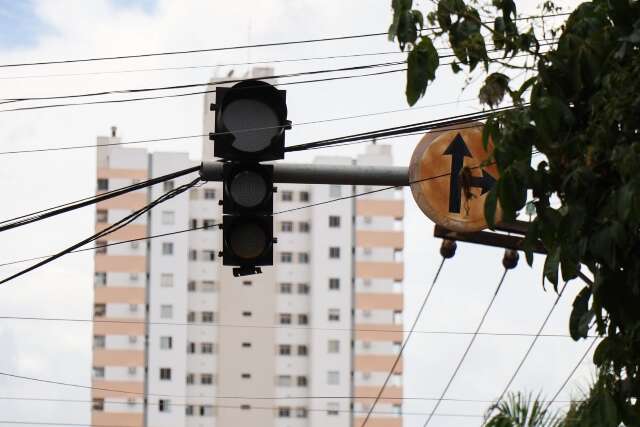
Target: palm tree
{"x":519,"y":410}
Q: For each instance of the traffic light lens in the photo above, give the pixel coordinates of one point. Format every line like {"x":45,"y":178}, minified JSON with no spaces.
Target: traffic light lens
{"x":253,"y":124}
{"x":248,"y":189}
{"x":248,"y":241}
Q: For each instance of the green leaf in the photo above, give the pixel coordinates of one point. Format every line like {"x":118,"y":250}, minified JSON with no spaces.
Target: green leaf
{"x":578,"y":327}
{"x":601,"y":354}
{"x":551,"y":266}
{"x":494,"y":88}
{"x":422,"y":64}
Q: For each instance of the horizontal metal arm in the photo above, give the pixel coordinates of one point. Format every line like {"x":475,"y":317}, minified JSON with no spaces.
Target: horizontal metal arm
{"x":323,"y":174}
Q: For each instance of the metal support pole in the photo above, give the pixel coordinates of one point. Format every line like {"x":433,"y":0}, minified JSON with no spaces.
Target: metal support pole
{"x":324,"y":174}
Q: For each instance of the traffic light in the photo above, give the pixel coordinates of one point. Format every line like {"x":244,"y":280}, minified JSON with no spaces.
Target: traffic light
{"x":250,"y":124}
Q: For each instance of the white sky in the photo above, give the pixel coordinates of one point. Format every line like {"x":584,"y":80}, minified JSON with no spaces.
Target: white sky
{"x":69,"y":29}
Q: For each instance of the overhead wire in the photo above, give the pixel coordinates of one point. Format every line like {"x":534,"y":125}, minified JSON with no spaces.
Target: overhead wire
{"x":110,"y":229}
{"x":531,"y":345}
{"x":404,"y":344}
{"x":466,"y":351}
{"x":237,"y":47}
{"x":573,"y":370}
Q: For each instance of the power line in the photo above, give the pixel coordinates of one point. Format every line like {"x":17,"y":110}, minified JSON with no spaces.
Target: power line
{"x":573,"y":371}
{"x":208,"y":91}
{"x":112,"y":228}
{"x":68,"y":207}
{"x":404,"y":343}
{"x":533,"y":343}
{"x":466,"y":352}
{"x":236,"y":47}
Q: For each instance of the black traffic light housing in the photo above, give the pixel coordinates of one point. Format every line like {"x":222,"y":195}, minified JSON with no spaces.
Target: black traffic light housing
{"x":250,"y":122}
{"x":248,"y":189}
{"x":247,"y":242}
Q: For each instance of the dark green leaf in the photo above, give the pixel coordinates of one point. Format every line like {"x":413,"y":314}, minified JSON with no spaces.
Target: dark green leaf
{"x":490,"y":206}
{"x":423,"y":62}
{"x":496,"y":85}
{"x":579,"y":313}
{"x":551,"y":266}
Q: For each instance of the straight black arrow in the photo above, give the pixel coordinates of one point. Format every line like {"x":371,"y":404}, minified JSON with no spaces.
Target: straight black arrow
{"x":458,"y":151}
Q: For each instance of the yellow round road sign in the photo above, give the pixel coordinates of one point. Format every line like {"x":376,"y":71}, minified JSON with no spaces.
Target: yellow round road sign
{"x":447,"y":180}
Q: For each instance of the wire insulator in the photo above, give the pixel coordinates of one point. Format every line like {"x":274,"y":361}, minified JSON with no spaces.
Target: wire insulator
{"x":448,"y":248}
{"x":510,"y":259}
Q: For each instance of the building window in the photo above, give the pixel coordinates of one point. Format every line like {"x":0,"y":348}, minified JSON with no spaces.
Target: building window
{"x":208,"y":286}
{"x":396,"y":379}
{"x":246,"y":283}
{"x":191,"y":316}
{"x":188,"y":410}
{"x":166,"y":343}
{"x":167,"y":248}
{"x":397,"y":345}
{"x":168,"y":186}
{"x":166,"y":311}
{"x":301,"y":381}
{"x":98,"y":372}
{"x":166,"y":280}
{"x":397,"y":317}
{"x":190,"y":379}
{"x":99,"y":310}
{"x":191,"y":285}
{"x":304,"y":196}
{"x":334,"y":221}
{"x":209,"y":193}
{"x":303,"y":258}
{"x":303,"y":319}
{"x":165,"y":374}
{"x":246,"y":345}
{"x":246,"y":314}
{"x":164,"y":405}
{"x":284,"y":350}
{"x":334,"y":252}
{"x":206,"y":379}
{"x":285,"y":288}
{"x":133,"y":339}
{"x":135,"y":245}
{"x":208,"y":316}
{"x":286,"y":226}
{"x":132,"y":371}
{"x":301,"y":412}
{"x":245,"y":376}
{"x":333,"y":346}
{"x":283,"y":381}
{"x":134,"y":277}
{"x":304,"y":227}
{"x":334,"y":314}
{"x":133,"y":308}
{"x":303,"y":350}
{"x":284,"y":318}
{"x":303,"y":288}
{"x":191,"y":347}
{"x":193,"y":255}
{"x":100,"y":278}
{"x":206,"y":410}
{"x":333,"y":408}
{"x":367,"y":220}
{"x":333,"y":377}
{"x":287,"y":196}
{"x":286,"y":257}
{"x":209,"y":224}
{"x":334,"y":284}
{"x":335,"y":191}
{"x":99,"y":341}
{"x":101,"y":247}
{"x":284,"y":412}
{"x":245,"y":407}
{"x":208,"y":255}
{"x":97,"y":404}
{"x":103,"y":184}
{"x":168,"y":217}
{"x":206,"y":348}
{"x":102,"y":215}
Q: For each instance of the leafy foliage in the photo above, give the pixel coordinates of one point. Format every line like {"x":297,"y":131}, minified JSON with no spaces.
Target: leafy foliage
{"x":519,"y":410}
{"x":583,"y":114}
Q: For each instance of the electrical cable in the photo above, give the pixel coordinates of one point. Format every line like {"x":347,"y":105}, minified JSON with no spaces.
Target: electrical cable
{"x":237,"y":47}
{"x":466,"y":352}
{"x":531,"y":345}
{"x":210,"y":91}
{"x":68,"y":207}
{"x":404,"y":344}
{"x":112,"y":228}
{"x":573,"y":371}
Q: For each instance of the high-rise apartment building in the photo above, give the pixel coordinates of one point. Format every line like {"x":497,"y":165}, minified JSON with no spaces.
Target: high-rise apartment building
{"x":179,"y":341}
